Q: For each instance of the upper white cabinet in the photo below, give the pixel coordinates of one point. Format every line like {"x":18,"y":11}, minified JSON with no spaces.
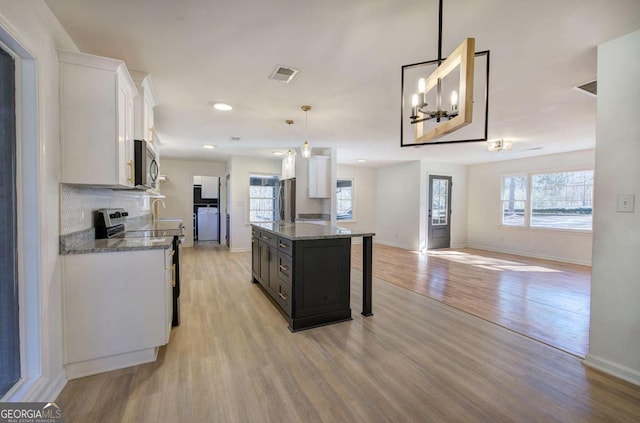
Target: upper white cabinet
{"x":289,"y":167}
{"x":144,"y":104}
{"x":319,"y":177}
{"x":97,"y":98}
{"x":210,"y":186}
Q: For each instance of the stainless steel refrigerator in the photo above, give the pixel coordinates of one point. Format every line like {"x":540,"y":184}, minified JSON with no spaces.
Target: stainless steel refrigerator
{"x":287,"y":200}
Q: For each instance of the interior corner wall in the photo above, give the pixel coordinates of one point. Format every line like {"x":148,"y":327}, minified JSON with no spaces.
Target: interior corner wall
{"x":35,"y":30}
{"x":241,"y":167}
{"x":615,"y":281}
{"x":178,"y":190}
{"x":484,"y":219}
{"x":459,"y":208}
{"x":365,"y":193}
{"x":398,"y":205}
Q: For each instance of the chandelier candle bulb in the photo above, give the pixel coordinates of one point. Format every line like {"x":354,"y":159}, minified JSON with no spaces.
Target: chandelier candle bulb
{"x":454,"y":101}
{"x":414,"y":104}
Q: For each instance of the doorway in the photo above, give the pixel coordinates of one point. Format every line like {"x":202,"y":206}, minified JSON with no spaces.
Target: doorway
{"x":439,"y":217}
{"x":206,"y":215}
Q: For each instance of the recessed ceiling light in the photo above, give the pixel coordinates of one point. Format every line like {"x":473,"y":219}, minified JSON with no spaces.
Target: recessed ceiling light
{"x":361,"y":160}
{"x":278,"y":153}
{"x":208,"y":146}
{"x":222,"y":106}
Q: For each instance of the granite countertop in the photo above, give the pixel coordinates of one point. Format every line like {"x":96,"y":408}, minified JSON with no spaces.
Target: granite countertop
{"x":139,"y":235}
{"x":119,"y":244}
{"x":161,"y":227}
{"x":296,"y":231}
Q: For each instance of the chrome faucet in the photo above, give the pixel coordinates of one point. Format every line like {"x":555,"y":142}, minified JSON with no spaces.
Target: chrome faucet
{"x":154,"y":216}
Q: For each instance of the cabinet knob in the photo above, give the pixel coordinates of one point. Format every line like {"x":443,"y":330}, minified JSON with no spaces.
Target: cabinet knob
{"x":283,"y":296}
{"x":283,"y":245}
{"x":284,"y":268}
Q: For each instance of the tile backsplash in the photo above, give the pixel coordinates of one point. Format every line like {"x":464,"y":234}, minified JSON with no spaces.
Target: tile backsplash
{"x":77,"y":205}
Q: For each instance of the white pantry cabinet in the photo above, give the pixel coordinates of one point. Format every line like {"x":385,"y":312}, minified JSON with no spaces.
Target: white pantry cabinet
{"x":96,"y":120}
{"x":117,"y":308}
{"x":319,"y":177}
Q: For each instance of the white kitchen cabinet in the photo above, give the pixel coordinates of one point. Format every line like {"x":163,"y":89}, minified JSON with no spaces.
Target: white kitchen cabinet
{"x":319,"y":177}
{"x":289,"y":167}
{"x":144,"y":105}
{"x":117,"y":309}
{"x":210,"y":186}
{"x":96,"y":120}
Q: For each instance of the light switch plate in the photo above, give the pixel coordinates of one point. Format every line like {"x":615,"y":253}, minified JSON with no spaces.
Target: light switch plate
{"x":625,"y":203}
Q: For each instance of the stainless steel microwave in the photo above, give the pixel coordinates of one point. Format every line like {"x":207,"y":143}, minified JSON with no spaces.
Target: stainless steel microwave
{"x":146,"y":165}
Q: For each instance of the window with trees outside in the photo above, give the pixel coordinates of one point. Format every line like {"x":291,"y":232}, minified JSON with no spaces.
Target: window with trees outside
{"x":559,"y":200}
{"x":344,"y":199}
{"x":514,"y":200}
{"x":262,"y":198}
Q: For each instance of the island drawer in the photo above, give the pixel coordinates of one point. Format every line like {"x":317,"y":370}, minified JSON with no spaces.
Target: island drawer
{"x":283,"y":297}
{"x":269,"y":238}
{"x":285,"y":245}
{"x":285,"y":267}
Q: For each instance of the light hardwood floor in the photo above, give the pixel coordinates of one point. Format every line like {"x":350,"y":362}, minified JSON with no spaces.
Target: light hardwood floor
{"x":546,"y":300}
{"x":233,"y":360}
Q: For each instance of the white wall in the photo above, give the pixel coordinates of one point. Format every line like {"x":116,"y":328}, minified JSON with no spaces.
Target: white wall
{"x":365,"y":194}
{"x":38,"y":32}
{"x":398,"y":205}
{"x":615,"y":284}
{"x":459,"y":206}
{"x":241,"y":168}
{"x":402,"y":197}
{"x":179,"y":191}
{"x":485,"y":230}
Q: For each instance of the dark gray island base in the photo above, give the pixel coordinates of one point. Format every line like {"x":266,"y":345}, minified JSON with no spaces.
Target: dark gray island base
{"x":306,"y":269}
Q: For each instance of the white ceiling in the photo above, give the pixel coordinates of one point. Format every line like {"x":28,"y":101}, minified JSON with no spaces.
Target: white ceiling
{"x":350,"y":54}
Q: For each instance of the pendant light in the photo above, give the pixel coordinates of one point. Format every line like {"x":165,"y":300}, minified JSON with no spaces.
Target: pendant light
{"x":290,"y":154}
{"x":306,"y":148}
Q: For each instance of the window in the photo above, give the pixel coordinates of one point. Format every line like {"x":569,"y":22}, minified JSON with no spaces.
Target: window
{"x":514,"y":200}
{"x":560,"y":200}
{"x":344,"y":199}
{"x":9,"y":300}
{"x":262,"y":198}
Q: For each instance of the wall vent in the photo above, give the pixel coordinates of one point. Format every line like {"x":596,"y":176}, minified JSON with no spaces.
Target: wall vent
{"x":590,"y":87}
{"x":283,"y":74}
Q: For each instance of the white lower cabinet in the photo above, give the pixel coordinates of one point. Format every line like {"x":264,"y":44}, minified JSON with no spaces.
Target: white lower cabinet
{"x":117,"y":309}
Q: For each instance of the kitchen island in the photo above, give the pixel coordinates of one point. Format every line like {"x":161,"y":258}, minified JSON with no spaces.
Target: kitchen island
{"x":306,"y":269}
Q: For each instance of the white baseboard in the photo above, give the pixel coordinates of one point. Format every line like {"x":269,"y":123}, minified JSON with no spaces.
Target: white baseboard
{"x":240,"y":250}
{"x":42,"y":389}
{"x":528,"y":254}
{"x":391,"y":244}
{"x":615,"y":369}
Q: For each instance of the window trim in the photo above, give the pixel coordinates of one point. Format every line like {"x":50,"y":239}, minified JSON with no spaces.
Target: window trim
{"x":29,"y":198}
{"x":528,"y":205}
{"x":353,"y":201}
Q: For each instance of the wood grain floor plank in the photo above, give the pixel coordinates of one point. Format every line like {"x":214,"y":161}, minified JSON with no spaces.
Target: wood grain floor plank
{"x":233,"y":359}
{"x":546,"y":300}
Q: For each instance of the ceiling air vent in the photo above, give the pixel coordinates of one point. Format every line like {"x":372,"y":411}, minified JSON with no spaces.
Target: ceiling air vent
{"x":590,"y":87}
{"x":283,"y":74}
